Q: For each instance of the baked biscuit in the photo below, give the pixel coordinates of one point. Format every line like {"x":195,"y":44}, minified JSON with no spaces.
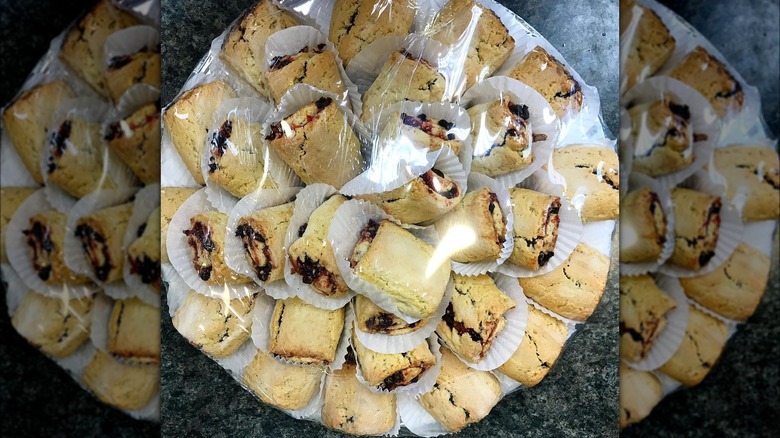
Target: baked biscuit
{"x":46,"y":239}
{"x":545,"y":74}
{"x":536,"y":227}
{"x":304,"y":334}
{"x":704,"y":73}
{"x":574,"y":288}
{"x":374,"y":319}
{"x":391,"y":371}
{"x":315,"y":66}
{"x":144,"y":253}
{"x":643,"y":309}
{"x":696,"y":228}
{"x":206,"y":239}
{"x":663,"y":137}
{"x":136,"y":140}
{"x":216,"y":326}
{"x":705,"y":337}
{"x":643,"y":227}
{"x":171,"y":198}
{"x":75,"y":158}
{"x":752,"y":172}
{"x":102,"y":235}
{"x":263,"y":233}
{"x":640,"y":391}
{"x":503,"y":141}
{"x":461,"y":395}
{"x":481,"y":213}
{"x":592,"y":180}
{"x":421,"y":131}
{"x":651,"y":45}
{"x":10,"y":200}
{"x":134,"y":331}
{"x":285,"y":386}
{"x":142,"y":67}
{"x":123,"y":386}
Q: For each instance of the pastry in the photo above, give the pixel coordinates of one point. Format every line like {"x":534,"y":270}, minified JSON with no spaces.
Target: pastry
{"x":650,"y":46}
{"x":244,"y":46}
{"x":46,"y":239}
{"x":592,"y":180}
{"x":643,"y":309}
{"x":420,"y":130}
{"x":352,"y":408}
{"x":144,"y":253}
{"x":481,"y":213}
{"x":704,"y":73}
{"x":216,"y":326}
{"x":189,"y":118}
{"x":311,"y":255}
{"x":422,"y":199}
{"x":461,"y":395}
{"x":402,"y":266}
{"x":171,"y":198}
{"x":663,"y":137}
{"x":142,"y":67}
{"x":374,"y":319}
{"x":263,"y":233}
{"x":83,"y":47}
{"x":355,"y":24}
{"x":237,"y":157}
{"x":502,"y":137}
{"x":28,"y":118}
{"x":536,"y":227}
{"x":136,"y":140}
{"x":403,"y":77}
{"x":474,"y":317}
{"x":643,"y":227}
{"x":574,"y":288}
{"x":134,"y":332}
{"x":102,"y":234}
{"x":696,"y":228}
{"x":206,"y":239}
{"x":315,"y":66}
{"x":640,"y":391}
{"x":128,"y":387}
{"x":462,"y":22}
{"x":10,"y":200}
{"x":289,"y":387}
{"x":388,"y":372}
{"x":753,"y":173}
{"x":547,"y":75}
{"x":540,"y":348}
{"x":318,"y":143}
{"x":735,"y":288}
{"x":304,"y":334}
{"x":55,"y":325}
{"x":705,"y":337}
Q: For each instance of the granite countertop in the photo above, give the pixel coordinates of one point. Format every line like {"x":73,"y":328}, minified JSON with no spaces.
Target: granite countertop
{"x":578,"y":398}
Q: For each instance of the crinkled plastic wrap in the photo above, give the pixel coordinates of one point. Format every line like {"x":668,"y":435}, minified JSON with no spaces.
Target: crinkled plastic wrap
{"x":78,"y":144}
{"x":701,"y":206}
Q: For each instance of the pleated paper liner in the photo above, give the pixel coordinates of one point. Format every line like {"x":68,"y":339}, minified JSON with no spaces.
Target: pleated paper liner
{"x":639,"y":181}
{"x":101,"y":321}
{"x":570,"y":229}
{"x":415,"y":418}
{"x":235,"y":255}
{"x":344,"y":234}
{"x":625,"y":147}
{"x":181,"y":259}
{"x":19,"y":253}
{"x":757,"y":235}
{"x":146,"y":200}
{"x":704,"y":122}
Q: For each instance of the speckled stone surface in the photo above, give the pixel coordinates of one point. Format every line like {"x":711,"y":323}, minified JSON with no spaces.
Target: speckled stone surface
{"x":741,"y":395}
{"x":578,"y":398}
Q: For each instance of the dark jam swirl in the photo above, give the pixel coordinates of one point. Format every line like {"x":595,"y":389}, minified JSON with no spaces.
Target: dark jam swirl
{"x":276,"y":128}
{"x":280,"y":62}
{"x":428,"y":126}
{"x":254,"y":241}
{"x":449,"y":319}
{"x":430,"y":177}
{"x":314,"y":273}
{"x":219,"y":141}
{"x":58,"y":145}
{"x":39,"y":240}
{"x":147,"y":268}
{"x":96,"y":247}
{"x":199,"y":239}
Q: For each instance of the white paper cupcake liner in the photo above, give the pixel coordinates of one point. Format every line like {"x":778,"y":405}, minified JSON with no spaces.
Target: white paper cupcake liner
{"x":146,"y":200}
{"x":179,"y":252}
{"x":508,"y":384}
{"x":19,"y":253}
{"x":571,"y":324}
{"x":234,"y":252}
{"x":476,"y":182}
{"x":637,"y":182}
{"x":129,"y":41}
{"x":703,"y":121}
{"x":415,"y":418}
{"x":731,"y":325}
{"x":134,"y":99}
{"x":391,"y":344}
{"x":421,"y":386}
{"x":598,"y":235}
{"x":570,"y":229}
{"x":757,"y":235}
{"x":15,"y":290}
{"x":101,"y":320}
{"x":667,"y":343}
{"x":625,"y":147}
{"x":343,"y":235}
{"x":542,"y":120}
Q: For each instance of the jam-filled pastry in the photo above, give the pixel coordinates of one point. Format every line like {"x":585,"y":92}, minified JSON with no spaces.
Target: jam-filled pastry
{"x":75,"y":153}
{"x":102,"y":234}
{"x":304,"y":334}
{"x":696,"y":228}
{"x":216,"y":326}
{"x":643,"y":309}
{"x":402,"y":266}
{"x":171,"y":198}
{"x":45,"y":236}
{"x":315,"y":66}
{"x":422,"y":199}
{"x":29,"y":118}
{"x":536,"y":229}
{"x":55,"y":325}
{"x":318,"y":143}
{"x":391,"y":371}
{"x":663,"y":137}
{"x":710,"y":77}
{"x":651,"y":45}
{"x":751,"y":172}
{"x":503,"y":141}
{"x":124,"y":386}
{"x":206,"y":239}
{"x":422,"y":131}
{"x":374,"y":319}
{"x":144,"y":253}
{"x":547,"y":75}
{"x":142,"y":67}
{"x":643,"y":227}
{"x":640,"y":391}
{"x":480,"y":213}
{"x":461,"y":395}
{"x":592,"y":175}
{"x":311,"y":255}
{"x":474,"y":317}
{"x":134,"y":331}
{"x":289,"y":387}
{"x":263,"y":233}
{"x":10,"y":200}
{"x":136,"y":140}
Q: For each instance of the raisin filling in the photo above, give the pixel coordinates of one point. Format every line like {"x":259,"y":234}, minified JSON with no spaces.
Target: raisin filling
{"x":499,"y":222}
{"x":219,"y":141}
{"x":411,"y":57}
{"x":449,"y":319}
{"x":148,"y":269}
{"x":435,"y":129}
{"x":382,"y":322}
{"x":655,"y":205}
{"x":280,"y":62}
{"x":367,"y":235}
{"x":396,"y":379}
{"x":635,"y":335}
{"x":437,"y":183}
{"x":115,"y":130}
{"x":39,"y":239}
{"x":276,"y":128}
{"x":96,"y":247}
{"x":199,"y":238}
{"x":58,"y":145}
{"x":313,"y":273}
{"x":254,"y":244}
